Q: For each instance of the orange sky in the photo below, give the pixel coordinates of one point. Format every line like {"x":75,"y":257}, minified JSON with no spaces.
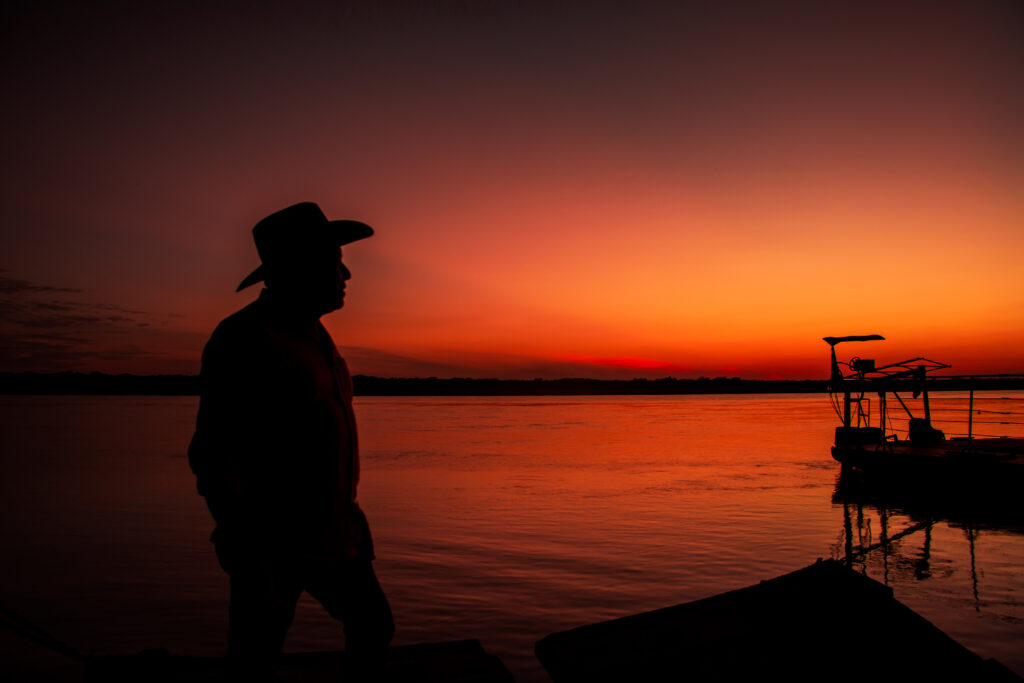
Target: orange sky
{"x":570,"y":189}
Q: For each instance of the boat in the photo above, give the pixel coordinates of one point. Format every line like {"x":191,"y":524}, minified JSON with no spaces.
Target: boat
{"x":893,"y":426}
{"x":823,"y":622}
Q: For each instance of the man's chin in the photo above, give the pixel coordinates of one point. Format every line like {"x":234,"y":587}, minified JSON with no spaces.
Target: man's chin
{"x":326,"y":307}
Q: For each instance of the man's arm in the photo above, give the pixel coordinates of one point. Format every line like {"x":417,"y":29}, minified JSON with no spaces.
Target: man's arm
{"x":237,"y":398}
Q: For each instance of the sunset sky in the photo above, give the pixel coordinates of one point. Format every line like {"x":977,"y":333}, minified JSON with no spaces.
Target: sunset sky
{"x":577,"y":188}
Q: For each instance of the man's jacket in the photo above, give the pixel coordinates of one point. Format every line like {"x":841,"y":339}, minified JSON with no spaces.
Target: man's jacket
{"x":275,"y":451}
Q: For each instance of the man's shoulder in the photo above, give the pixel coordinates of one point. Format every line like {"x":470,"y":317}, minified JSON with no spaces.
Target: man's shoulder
{"x":241,"y":329}
{"x":240,"y":344}
{"x":245,"y":319}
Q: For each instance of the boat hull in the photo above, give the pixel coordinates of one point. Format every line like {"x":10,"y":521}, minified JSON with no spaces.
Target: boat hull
{"x":823,"y":622}
{"x":958,"y":463}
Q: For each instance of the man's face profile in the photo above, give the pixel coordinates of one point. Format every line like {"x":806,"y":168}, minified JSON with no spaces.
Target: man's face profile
{"x":316,"y":282}
{"x":328,"y":276}
{"x":341,"y":275}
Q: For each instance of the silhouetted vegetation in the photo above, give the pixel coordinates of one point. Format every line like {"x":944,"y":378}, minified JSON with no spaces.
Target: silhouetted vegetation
{"x":465,"y":386}
{"x":188,"y":385}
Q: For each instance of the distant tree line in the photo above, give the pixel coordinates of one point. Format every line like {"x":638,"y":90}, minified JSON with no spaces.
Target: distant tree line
{"x":188,"y":385}
{"x":576,"y":386}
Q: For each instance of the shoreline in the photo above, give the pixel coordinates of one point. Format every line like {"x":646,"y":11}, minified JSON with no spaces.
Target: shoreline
{"x":77,"y":383}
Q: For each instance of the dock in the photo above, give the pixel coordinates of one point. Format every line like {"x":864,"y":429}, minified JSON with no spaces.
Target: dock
{"x":824,"y":622}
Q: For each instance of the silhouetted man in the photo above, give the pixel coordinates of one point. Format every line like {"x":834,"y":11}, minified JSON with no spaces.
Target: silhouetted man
{"x":275,"y":452}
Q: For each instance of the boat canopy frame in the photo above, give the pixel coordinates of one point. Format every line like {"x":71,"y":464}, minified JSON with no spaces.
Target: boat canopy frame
{"x":864,"y":377}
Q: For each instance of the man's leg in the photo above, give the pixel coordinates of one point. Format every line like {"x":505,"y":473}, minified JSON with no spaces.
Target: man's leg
{"x":261,"y":610}
{"x":350,"y":592}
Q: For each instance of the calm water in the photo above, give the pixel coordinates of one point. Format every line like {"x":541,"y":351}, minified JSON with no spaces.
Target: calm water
{"x":502,"y":519}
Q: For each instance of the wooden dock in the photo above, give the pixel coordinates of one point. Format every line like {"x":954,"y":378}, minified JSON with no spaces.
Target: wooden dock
{"x":822,"y":623}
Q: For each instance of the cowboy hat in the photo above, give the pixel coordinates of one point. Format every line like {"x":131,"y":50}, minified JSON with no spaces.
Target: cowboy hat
{"x":295,"y":232}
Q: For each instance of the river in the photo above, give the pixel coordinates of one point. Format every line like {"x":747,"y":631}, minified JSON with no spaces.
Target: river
{"x":503,"y":519}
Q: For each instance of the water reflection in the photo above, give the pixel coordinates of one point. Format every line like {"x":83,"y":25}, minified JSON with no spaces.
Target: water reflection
{"x":503,"y":519}
{"x":889,"y":530}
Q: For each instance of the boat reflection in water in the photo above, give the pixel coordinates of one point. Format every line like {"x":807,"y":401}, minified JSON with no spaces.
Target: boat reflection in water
{"x":907,"y":517}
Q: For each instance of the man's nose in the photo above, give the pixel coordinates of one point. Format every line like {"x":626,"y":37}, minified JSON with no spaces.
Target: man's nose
{"x":346,"y":274}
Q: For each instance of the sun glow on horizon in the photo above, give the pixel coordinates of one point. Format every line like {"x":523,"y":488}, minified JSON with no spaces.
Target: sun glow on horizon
{"x":706,"y":191}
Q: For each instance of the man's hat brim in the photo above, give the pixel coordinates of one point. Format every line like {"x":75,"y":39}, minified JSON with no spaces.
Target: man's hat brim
{"x":258,"y":275}
{"x":341,"y":232}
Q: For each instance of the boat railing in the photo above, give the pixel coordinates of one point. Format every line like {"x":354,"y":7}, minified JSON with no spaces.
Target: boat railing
{"x":973,"y":414}
{"x":976,"y":419}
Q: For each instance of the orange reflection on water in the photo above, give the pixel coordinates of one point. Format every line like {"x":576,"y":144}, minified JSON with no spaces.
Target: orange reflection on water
{"x":503,"y":519}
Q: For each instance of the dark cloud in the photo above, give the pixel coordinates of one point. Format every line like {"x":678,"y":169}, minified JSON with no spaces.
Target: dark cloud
{"x":65,"y":314}
{"x":44,"y":327}
{"x":10,"y":285}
